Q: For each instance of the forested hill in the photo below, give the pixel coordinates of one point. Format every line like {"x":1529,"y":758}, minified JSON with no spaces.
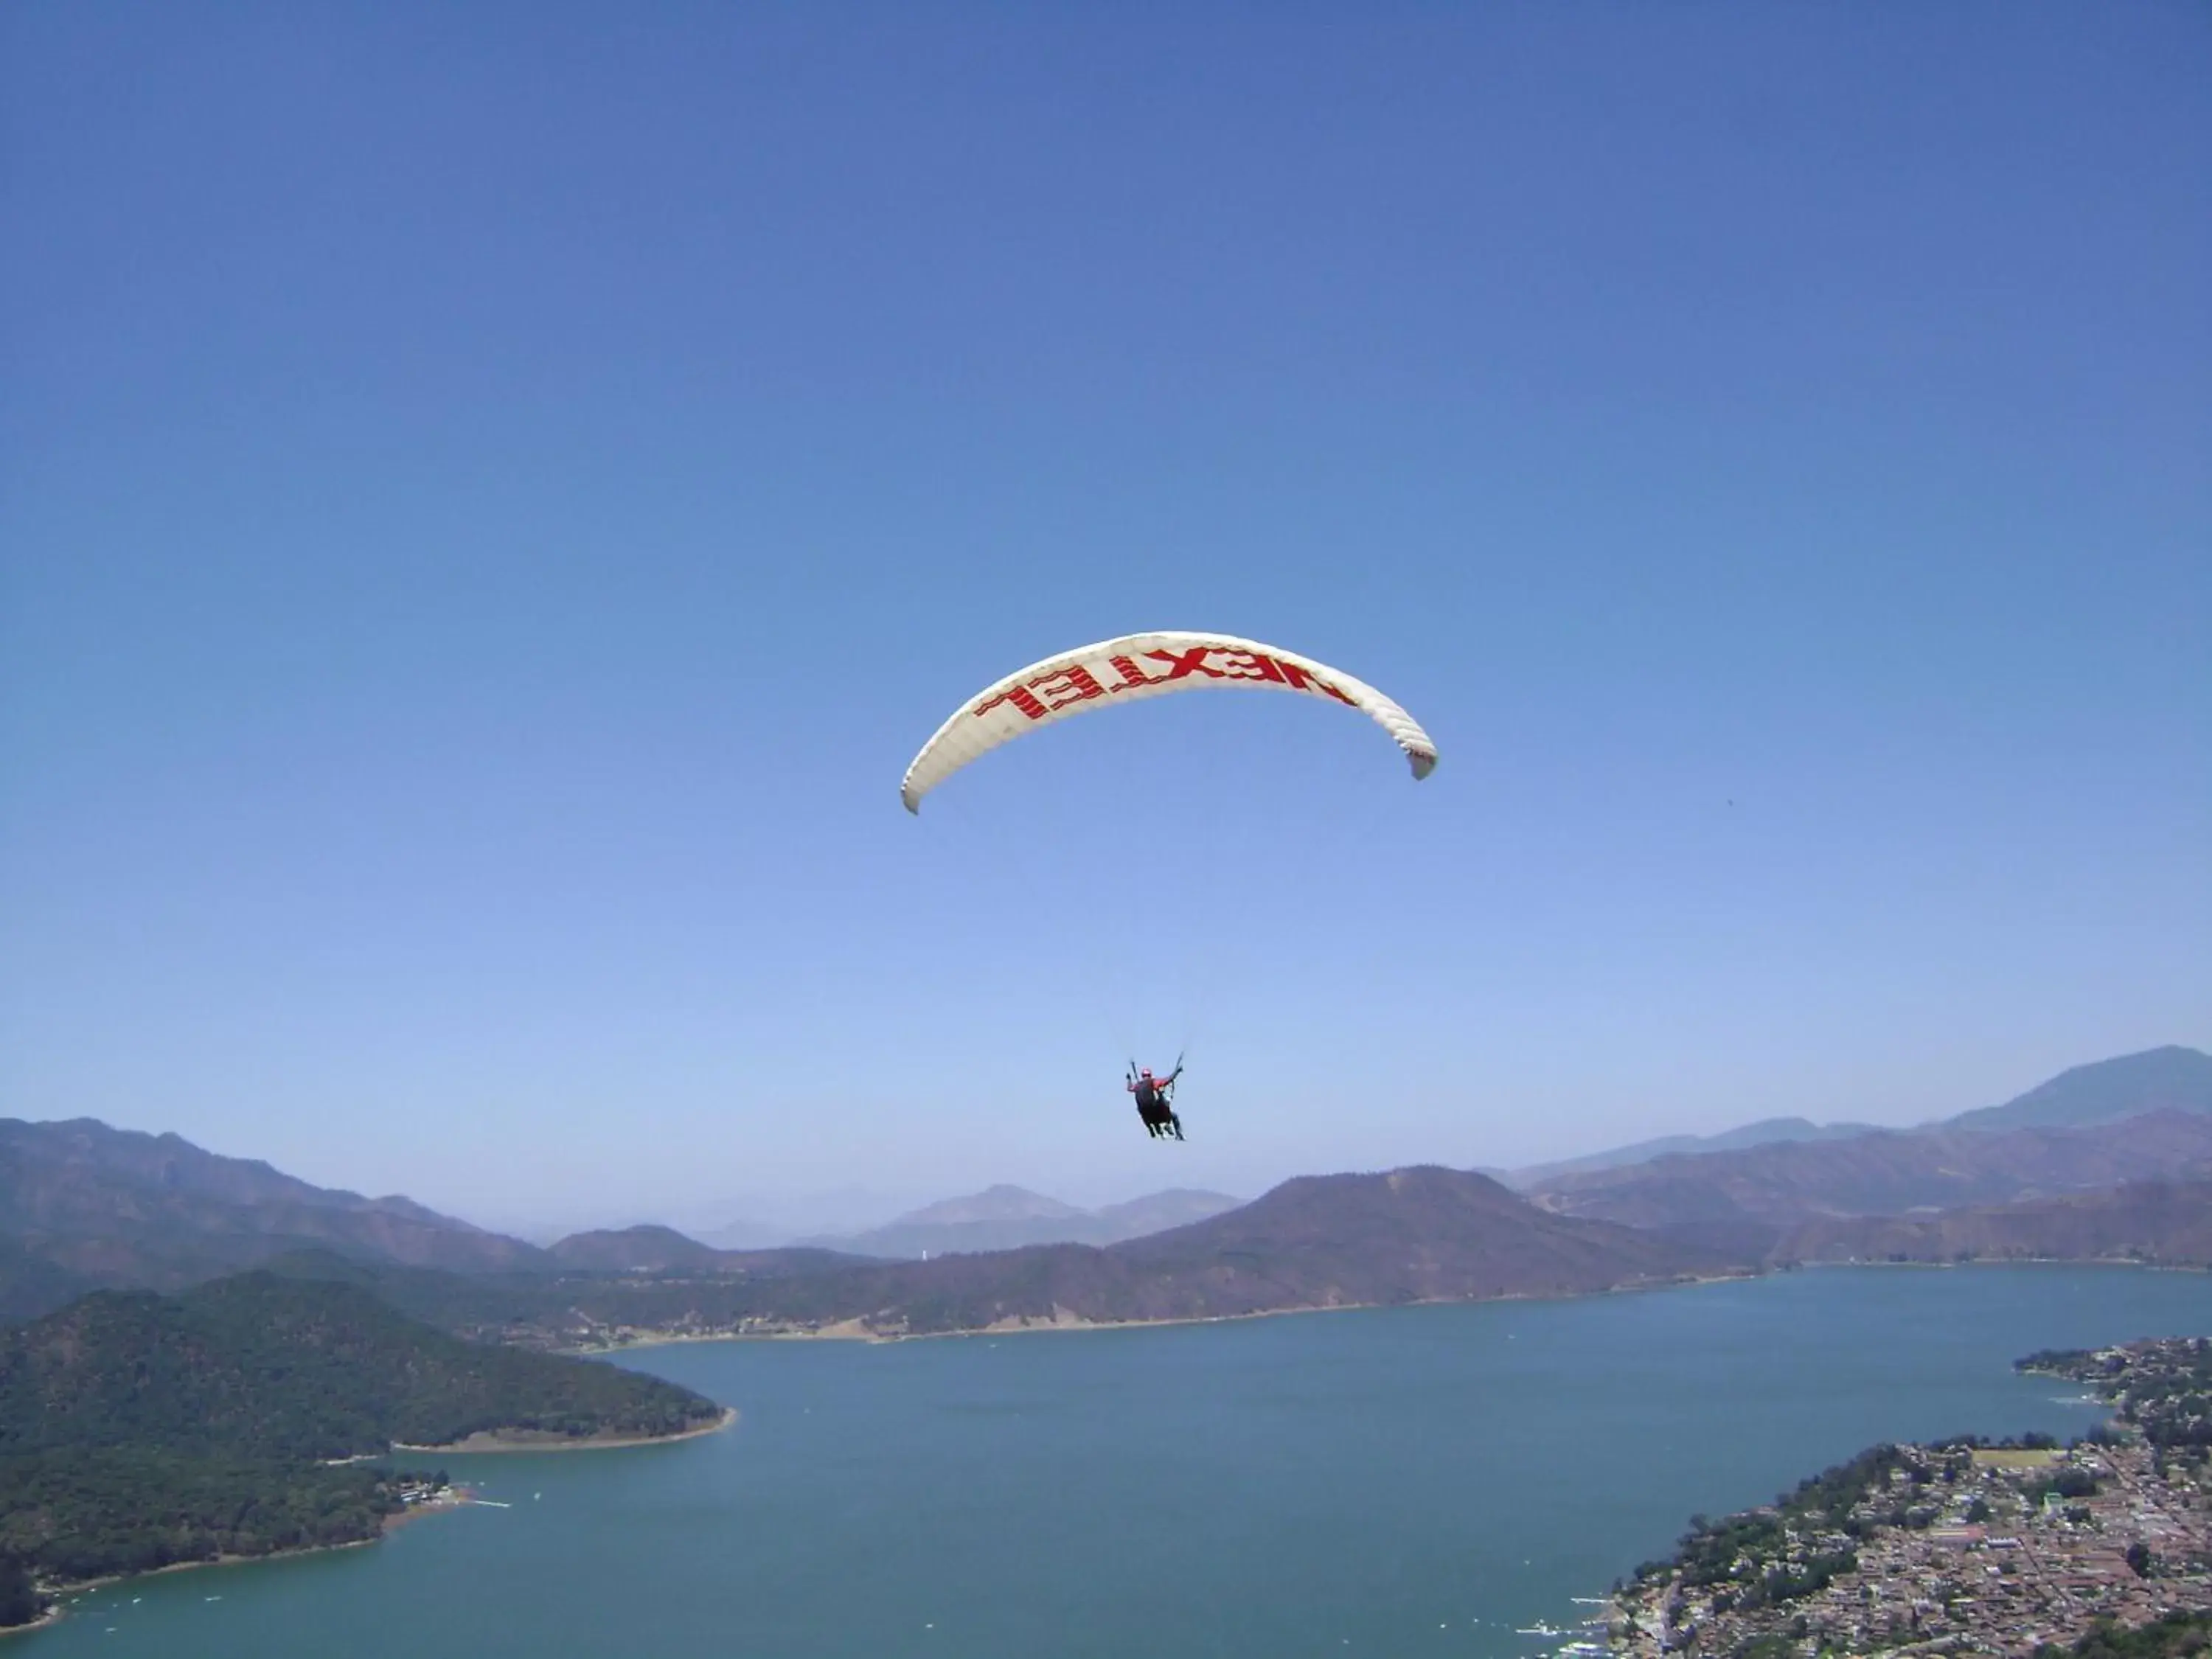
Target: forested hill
{"x":138,"y":1430}
{"x":263,"y":1366}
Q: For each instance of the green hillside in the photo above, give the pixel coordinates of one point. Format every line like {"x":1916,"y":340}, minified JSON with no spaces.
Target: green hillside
{"x":266,"y":1366}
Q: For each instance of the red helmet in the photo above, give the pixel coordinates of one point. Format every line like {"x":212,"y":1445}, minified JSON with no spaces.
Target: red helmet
{"x":1147,"y":1072}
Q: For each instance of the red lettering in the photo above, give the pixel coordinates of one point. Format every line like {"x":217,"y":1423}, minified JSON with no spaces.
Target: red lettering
{"x":1022,"y":698}
{"x":1080,"y":684}
{"x":1192,"y":661}
{"x":1131,"y":676}
{"x":1249,"y":666}
{"x":1304,"y":679}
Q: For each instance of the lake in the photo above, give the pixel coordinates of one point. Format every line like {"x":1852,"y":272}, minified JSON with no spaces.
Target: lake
{"x":1437,"y":1480}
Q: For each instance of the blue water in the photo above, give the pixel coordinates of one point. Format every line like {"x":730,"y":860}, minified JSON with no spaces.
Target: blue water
{"x":1404,"y":1481}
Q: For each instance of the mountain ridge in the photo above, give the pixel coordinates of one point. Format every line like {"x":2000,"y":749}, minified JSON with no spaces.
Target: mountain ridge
{"x":655,"y":1250}
{"x":83,"y":1205}
{"x":1004,"y":1217}
{"x":1889,"y":1173}
{"x":2168,"y":1222}
{"x":1763,"y":1132}
{"x":1418,"y":1234}
{"x":2171,"y":1077}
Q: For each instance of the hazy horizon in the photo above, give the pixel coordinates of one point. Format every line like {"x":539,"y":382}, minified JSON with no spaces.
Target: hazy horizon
{"x":491,"y":500}
{"x":773,"y":1215}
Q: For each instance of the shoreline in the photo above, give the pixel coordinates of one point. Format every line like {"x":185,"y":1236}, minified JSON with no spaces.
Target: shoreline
{"x":493,"y":1444}
{"x":53,"y":1615}
{"x":851,"y":1330}
{"x":2013,"y":1262}
{"x":462,"y":1497}
{"x":66,"y":1596}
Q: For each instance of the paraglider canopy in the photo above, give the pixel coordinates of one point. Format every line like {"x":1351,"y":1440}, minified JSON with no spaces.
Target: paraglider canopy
{"x":1136,"y":666}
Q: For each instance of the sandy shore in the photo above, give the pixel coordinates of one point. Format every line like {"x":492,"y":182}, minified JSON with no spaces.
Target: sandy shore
{"x":461,"y":1498}
{"x":495,"y":1443}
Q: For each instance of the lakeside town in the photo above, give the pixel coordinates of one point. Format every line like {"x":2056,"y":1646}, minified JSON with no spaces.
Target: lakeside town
{"x":1963,"y":1547}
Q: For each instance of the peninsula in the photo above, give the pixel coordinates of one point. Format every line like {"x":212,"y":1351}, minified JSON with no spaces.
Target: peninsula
{"x":139,"y":1432}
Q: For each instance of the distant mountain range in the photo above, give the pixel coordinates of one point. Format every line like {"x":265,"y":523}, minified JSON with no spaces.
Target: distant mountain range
{"x":1412,"y":1235}
{"x":1764,"y":1132}
{"x":997,"y":1218}
{"x":1318,"y":1241}
{"x":2168,"y":1080}
{"x":663,"y":1252}
{"x":646,"y":1249}
{"x":2172,"y":1078}
{"x":1008,"y":1217}
{"x":1884,"y":1173}
{"x":2168,"y":1222}
{"x":83,"y":1206}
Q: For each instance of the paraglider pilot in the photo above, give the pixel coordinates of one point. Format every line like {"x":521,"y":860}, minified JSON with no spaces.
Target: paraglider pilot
{"x":1155,"y":1100}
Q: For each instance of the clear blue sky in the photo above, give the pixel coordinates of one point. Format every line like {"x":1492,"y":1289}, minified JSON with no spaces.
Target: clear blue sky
{"x":491,"y":497}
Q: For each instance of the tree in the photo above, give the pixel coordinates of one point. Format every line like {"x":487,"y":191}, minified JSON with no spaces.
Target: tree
{"x":20,"y":1600}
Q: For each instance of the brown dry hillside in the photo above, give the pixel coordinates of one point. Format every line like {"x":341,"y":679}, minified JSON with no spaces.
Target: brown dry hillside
{"x":1411,"y":1234}
{"x":101,"y":1205}
{"x":2168,"y":1222}
{"x":1881,"y":1173}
